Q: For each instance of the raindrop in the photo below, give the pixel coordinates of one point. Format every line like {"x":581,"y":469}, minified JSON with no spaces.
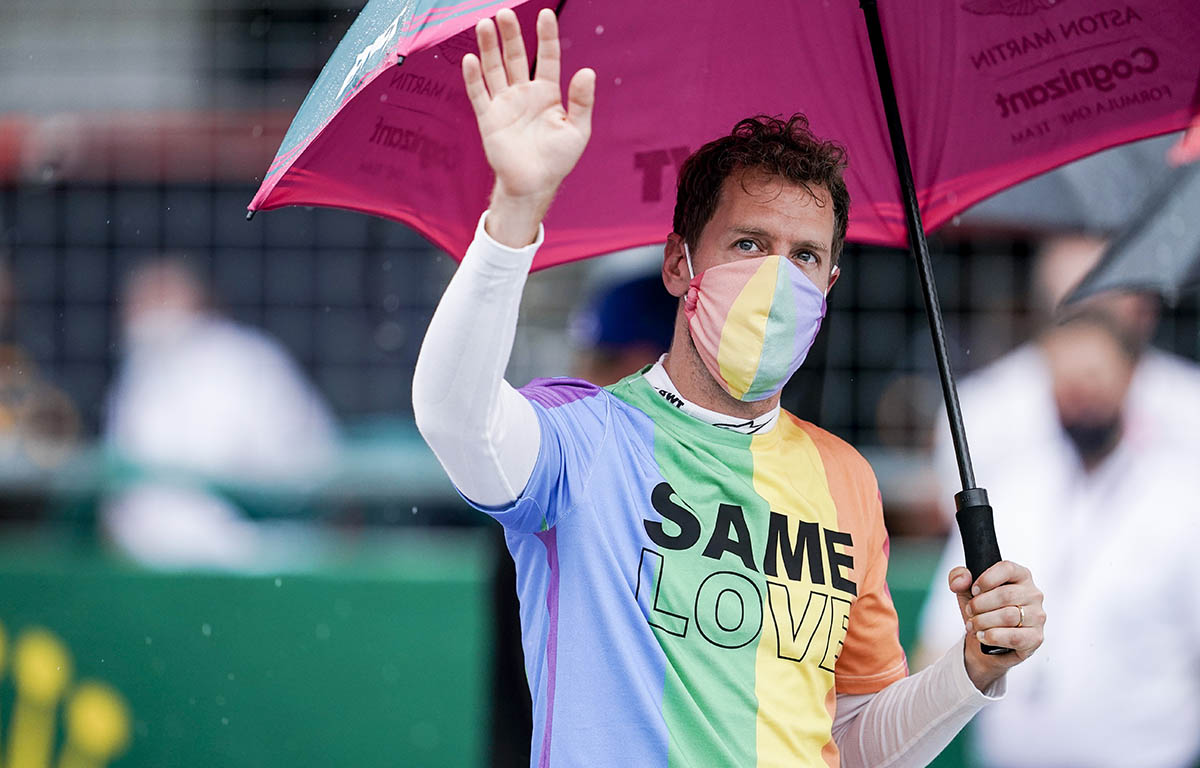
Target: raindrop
{"x":224,"y":721}
{"x":391,"y":302}
{"x":148,"y":640}
{"x":389,"y":336}
{"x":278,"y":582}
{"x":206,"y":630}
{"x":599,"y":29}
{"x":322,"y":632}
{"x":257,"y":131}
{"x":414,"y":510}
{"x":383,"y":97}
{"x":230,"y":676}
{"x":616,"y":81}
{"x":956,"y":221}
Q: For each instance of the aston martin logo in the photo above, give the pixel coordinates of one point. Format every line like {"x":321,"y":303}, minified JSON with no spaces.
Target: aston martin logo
{"x":1009,"y":7}
{"x":96,"y":717}
{"x":369,"y":55}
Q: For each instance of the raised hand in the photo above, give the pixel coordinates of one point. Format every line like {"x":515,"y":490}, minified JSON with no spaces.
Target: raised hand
{"x":531,"y":141}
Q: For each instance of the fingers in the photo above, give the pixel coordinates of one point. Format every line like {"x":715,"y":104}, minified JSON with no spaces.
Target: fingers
{"x":581,"y":97}
{"x":1007,"y":616}
{"x":549,"y":56}
{"x":1024,"y":641}
{"x":960,"y":585}
{"x":514,"y":47}
{"x":489,"y":56}
{"x":960,"y":580}
{"x":1009,"y":594}
{"x":1002,"y":572}
{"x":473,"y":78}
{"x":1015,"y":614}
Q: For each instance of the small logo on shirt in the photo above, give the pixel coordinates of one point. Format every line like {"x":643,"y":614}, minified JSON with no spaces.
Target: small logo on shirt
{"x":671,"y":398}
{"x":749,"y":427}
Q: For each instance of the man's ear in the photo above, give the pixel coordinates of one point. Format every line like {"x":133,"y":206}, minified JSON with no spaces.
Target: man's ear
{"x":675,"y":269}
{"x":834,"y":274}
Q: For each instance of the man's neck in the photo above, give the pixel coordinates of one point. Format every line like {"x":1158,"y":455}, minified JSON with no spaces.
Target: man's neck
{"x":693,"y":381}
{"x":761,"y":422}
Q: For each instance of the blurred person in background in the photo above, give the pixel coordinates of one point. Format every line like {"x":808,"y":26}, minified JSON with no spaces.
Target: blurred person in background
{"x":626,"y":325}
{"x":39,"y":425}
{"x":200,"y":398}
{"x":1088,"y":442}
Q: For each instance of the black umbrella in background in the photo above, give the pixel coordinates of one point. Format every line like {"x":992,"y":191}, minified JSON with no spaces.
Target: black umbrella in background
{"x":1096,"y":194}
{"x":1159,"y":250}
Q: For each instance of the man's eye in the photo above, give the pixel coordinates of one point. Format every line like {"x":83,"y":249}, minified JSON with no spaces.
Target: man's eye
{"x":745,"y":245}
{"x":806,"y":257}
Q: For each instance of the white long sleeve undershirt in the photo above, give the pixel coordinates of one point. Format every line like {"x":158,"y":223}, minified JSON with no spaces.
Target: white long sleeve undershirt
{"x":486,"y":436}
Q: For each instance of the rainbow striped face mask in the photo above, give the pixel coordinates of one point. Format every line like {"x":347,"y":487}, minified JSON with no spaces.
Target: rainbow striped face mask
{"x":753,"y":322}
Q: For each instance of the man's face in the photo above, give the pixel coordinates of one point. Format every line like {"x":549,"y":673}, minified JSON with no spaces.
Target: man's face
{"x":1091,"y":376}
{"x":760,"y":215}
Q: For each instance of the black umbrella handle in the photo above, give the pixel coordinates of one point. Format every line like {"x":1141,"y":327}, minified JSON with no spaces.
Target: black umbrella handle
{"x":979,"y":539}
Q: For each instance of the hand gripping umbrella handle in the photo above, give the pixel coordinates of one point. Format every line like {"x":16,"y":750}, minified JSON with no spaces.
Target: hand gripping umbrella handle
{"x":979,"y":539}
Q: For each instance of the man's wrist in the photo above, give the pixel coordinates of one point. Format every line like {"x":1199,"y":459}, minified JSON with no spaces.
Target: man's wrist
{"x":982,"y":674}
{"x":513,"y":220}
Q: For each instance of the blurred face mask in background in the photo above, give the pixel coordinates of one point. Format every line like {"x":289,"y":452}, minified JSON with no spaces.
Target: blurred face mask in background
{"x":157,"y":329}
{"x":753,"y":321}
{"x":1093,"y":438}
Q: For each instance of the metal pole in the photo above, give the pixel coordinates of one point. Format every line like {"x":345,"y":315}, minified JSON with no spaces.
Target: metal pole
{"x":916,"y":239}
{"x":974,"y":514}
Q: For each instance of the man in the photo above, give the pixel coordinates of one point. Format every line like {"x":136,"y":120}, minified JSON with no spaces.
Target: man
{"x":199,"y":396}
{"x":701,"y":575}
{"x":1089,"y":443}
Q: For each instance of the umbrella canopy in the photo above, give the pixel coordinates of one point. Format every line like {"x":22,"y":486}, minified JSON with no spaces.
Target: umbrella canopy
{"x":1160,"y":250}
{"x":990,"y":92}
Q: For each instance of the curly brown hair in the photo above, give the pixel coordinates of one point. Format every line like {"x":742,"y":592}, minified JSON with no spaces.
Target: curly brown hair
{"x":784,"y":148}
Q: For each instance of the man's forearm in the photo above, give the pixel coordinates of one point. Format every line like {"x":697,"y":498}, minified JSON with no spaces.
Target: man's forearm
{"x":912,"y":720}
{"x":485,"y":434}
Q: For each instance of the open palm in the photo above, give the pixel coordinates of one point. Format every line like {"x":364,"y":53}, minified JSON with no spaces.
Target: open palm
{"x":530,"y":140}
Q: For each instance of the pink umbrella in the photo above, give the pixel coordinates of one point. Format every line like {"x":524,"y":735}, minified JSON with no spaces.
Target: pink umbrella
{"x":990,"y":92}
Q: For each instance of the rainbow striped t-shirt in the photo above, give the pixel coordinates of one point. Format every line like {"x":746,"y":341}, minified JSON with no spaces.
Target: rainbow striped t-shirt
{"x":693,"y":596}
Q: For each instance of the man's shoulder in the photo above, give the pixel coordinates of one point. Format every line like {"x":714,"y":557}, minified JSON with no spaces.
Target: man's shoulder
{"x":835,"y":452}
{"x":556,"y":392}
